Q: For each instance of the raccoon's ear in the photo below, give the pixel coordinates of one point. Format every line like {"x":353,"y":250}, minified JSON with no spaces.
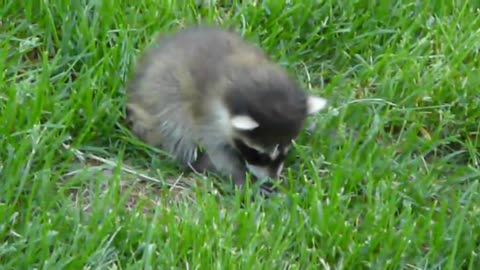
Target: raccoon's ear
{"x":243,"y":122}
{"x":315,"y":104}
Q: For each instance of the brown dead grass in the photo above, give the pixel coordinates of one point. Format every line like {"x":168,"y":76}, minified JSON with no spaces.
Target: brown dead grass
{"x":144,"y":193}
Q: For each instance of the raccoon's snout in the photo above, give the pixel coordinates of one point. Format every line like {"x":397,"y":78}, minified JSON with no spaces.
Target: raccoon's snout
{"x":265,"y":172}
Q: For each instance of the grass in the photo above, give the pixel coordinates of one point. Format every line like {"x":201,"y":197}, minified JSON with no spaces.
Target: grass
{"x":388,"y":179}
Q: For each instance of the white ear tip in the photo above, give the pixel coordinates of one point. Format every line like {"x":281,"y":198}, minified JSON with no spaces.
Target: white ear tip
{"x":244,"y":122}
{"x":315,"y":104}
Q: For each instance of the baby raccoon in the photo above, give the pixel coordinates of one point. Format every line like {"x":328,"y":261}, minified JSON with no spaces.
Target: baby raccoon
{"x":217,"y":103}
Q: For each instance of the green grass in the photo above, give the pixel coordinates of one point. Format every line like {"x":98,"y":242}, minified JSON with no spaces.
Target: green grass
{"x":399,"y":192}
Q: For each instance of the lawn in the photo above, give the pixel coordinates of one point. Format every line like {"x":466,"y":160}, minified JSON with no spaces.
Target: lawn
{"x":386,"y":178}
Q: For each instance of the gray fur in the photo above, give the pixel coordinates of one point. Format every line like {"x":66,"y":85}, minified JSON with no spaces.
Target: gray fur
{"x":177,"y":98}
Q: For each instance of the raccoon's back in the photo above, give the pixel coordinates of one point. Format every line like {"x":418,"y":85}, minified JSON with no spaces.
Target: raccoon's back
{"x":186,"y":71}
{"x":192,"y":61}
{"x":177,"y":85}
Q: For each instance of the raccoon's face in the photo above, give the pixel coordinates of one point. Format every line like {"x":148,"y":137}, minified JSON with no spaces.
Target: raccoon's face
{"x":263,"y":162}
{"x":264,"y":142}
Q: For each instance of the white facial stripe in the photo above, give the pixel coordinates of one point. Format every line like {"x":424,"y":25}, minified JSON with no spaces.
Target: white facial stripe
{"x":257,"y":148}
{"x":262,"y":172}
{"x":279,"y":169}
{"x":275,"y":152}
{"x":286,"y":149}
{"x":259,"y":171}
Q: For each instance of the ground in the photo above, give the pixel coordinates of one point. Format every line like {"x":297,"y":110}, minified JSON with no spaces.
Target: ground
{"x":386,"y":178}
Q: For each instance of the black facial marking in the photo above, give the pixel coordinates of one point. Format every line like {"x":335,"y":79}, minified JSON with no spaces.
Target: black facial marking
{"x":254,"y":157}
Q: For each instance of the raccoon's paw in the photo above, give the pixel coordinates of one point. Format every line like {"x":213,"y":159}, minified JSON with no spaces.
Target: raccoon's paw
{"x":202,"y":164}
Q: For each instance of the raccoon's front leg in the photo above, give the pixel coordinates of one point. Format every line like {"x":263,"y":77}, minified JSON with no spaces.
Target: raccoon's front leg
{"x":202,"y":164}
{"x":223,"y":160}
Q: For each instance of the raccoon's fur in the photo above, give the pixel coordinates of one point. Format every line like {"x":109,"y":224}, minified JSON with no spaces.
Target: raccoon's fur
{"x":206,"y":90}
